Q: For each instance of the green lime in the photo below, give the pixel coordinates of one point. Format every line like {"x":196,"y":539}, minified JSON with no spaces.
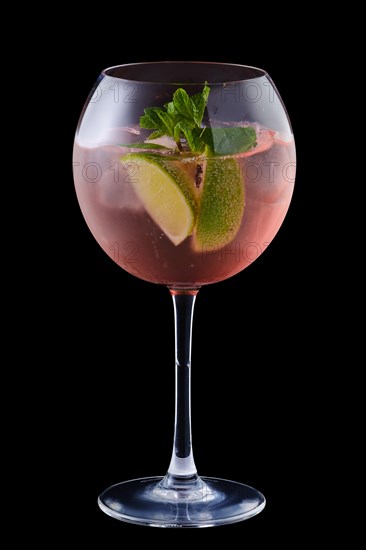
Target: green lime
{"x":165,"y":192}
{"x":222,"y":204}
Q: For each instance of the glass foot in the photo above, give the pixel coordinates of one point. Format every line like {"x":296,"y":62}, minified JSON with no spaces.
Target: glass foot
{"x":205,"y":502}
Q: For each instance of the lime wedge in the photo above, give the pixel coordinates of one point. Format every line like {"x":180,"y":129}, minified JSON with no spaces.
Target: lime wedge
{"x":222,"y":204}
{"x":165,"y":192}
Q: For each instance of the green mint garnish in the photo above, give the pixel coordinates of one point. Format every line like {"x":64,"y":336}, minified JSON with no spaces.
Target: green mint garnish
{"x":178,"y":119}
{"x":143,"y":145}
{"x":182,"y":118}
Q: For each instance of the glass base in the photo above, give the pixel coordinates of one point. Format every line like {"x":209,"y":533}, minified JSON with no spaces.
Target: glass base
{"x":205,"y":502}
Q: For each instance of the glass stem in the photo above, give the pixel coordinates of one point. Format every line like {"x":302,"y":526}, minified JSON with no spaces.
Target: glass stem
{"x":182,"y":464}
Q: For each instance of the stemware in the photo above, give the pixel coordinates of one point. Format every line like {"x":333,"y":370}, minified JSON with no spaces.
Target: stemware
{"x":184,"y":172}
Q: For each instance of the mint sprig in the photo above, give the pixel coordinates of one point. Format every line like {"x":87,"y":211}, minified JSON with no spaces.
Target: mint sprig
{"x":178,"y":118}
{"x":182,"y":118}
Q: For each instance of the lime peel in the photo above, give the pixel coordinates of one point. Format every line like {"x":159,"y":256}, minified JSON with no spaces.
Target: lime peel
{"x":222,"y":204}
{"x":166,"y":194}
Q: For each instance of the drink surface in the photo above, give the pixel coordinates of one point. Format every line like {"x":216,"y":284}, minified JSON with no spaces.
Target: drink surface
{"x":109,"y":179}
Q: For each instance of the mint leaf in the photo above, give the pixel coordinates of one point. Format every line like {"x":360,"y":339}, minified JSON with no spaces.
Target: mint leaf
{"x":157,"y":119}
{"x":156,"y":134}
{"x":183,"y":126}
{"x":167,"y":122}
{"x":194,"y":141}
{"x":170,"y":108}
{"x":150,"y":119}
{"x":177,"y":131}
{"x":228,"y":141}
{"x":199,"y":104}
{"x":143,"y":145}
{"x":183,"y":104}
{"x":192,"y":135}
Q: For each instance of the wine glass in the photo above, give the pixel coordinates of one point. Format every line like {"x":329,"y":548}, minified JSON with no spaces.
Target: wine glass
{"x":184,"y":172}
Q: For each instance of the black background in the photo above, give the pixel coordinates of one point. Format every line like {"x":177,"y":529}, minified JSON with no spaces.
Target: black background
{"x":116,"y":341}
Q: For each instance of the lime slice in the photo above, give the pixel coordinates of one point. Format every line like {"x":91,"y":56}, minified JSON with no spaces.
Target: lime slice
{"x":165,"y":192}
{"x":222,"y":204}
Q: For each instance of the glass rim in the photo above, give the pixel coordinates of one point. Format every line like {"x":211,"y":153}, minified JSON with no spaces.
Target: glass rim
{"x":260,"y":73}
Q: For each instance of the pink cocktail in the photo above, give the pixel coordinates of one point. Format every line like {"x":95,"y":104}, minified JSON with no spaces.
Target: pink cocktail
{"x":105,"y":186}
{"x":184,"y":172}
